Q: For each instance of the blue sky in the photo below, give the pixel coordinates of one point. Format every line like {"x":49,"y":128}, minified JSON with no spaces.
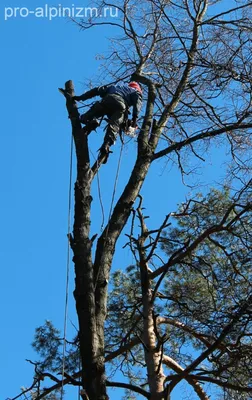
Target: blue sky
{"x":38,"y":56}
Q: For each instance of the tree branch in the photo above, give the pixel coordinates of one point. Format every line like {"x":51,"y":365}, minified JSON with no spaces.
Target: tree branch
{"x":204,"y":135}
{"x":214,"y":346}
{"x":128,"y":386}
{"x":193,"y":382}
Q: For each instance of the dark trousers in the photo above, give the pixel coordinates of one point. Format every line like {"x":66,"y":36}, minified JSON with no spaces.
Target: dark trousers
{"x":114,"y":107}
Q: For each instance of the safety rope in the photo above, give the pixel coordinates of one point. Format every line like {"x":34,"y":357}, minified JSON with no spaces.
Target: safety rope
{"x":67,"y":267}
{"x":99,"y":192}
{"x":68,"y":247}
{"x":112,"y":201}
{"x":115,"y":184}
{"x":79,"y":387}
{"x":100,"y":199}
{"x":116,"y":181}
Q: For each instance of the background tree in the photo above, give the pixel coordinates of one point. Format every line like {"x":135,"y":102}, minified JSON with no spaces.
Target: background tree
{"x":194,"y":63}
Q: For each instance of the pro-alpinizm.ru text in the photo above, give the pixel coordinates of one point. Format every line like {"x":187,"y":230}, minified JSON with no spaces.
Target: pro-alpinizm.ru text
{"x":50,"y":13}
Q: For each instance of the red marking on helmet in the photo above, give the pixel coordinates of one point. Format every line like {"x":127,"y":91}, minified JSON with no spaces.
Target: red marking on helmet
{"x":135,"y":86}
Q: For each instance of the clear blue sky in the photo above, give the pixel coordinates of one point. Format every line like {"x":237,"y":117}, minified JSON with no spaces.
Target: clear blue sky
{"x":38,"y":56}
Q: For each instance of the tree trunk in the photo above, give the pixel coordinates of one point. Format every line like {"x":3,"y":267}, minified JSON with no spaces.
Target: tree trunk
{"x":93,"y":376}
{"x":152,"y":351}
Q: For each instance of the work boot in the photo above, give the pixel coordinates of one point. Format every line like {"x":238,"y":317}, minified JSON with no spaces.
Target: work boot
{"x":104,"y":152}
{"x":90,"y":126}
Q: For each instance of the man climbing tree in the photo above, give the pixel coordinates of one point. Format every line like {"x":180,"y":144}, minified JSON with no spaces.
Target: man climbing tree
{"x":115,"y":103}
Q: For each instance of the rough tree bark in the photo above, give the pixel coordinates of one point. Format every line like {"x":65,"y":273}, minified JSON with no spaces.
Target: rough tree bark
{"x":93,"y":378}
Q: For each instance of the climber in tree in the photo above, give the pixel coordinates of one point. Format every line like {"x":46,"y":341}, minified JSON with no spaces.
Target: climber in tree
{"x":115,"y":103}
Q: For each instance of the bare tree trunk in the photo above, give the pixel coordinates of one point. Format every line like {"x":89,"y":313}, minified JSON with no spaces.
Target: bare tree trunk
{"x":93,"y":377}
{"x":106,"y":243}
{"x":152,"y":346}
{"x":152,"y":351}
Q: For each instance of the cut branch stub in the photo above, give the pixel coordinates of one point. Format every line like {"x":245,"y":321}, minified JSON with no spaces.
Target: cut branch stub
{"x":80,"y":139}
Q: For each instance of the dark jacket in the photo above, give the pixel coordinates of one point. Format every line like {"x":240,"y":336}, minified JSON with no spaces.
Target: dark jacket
{"x":131,"y":96}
